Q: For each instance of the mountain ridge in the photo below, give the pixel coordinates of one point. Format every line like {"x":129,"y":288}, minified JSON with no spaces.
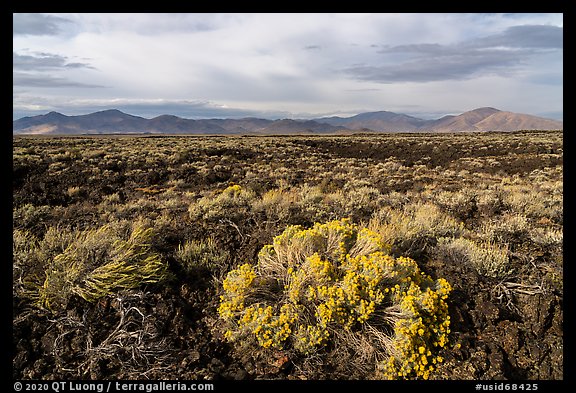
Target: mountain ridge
{"x":114,"y":121}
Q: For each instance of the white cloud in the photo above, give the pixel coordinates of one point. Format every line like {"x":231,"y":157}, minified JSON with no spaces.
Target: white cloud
{"x":293,"y":63}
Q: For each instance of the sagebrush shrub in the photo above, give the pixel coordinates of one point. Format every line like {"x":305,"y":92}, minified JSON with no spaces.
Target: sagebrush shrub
{"x":332,"y":287}
{"x":410,"y":228}
{"x":487,"y":258}
{"x":194,"y":254}
{"x":233,"y":203}
{"x":30,"y":216}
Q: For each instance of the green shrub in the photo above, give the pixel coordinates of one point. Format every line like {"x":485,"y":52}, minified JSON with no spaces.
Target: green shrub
{"x":410,"y":229}
{"x":233,"y":203}
{"x":548,"y":237}
{"x":131,"y":264}
{"x":277,"y":204}
{"x":95,"y":263}
{"x":507,"y":228}
{"x":332,"y":290}
{"x":203,"y":253}
{"x":487,"y":258}
{"x":30,"y":216}
{"x":24,"y":258}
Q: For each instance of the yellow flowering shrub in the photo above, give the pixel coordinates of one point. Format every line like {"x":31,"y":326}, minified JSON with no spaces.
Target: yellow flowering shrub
{"x":233,"y":203}
{"x":419,"y":337}
{"x":236,"y":285}
{"x":322,"y":288}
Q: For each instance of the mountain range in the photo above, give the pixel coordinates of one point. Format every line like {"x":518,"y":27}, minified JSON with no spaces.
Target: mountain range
{"x":114,"y":121}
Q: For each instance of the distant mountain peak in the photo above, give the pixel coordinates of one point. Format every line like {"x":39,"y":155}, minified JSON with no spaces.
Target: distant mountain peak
{"x":111,"y":111}
{"x":53,"y":114}
{"x":486,"y":108}
{"x":112,"y":121}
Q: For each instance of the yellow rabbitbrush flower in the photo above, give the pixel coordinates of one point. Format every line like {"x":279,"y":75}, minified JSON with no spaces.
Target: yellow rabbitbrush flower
{"x":269,"y":329}
{"x":321,"y":269}
{"x":308,"y":338}
{"x":239,"y":279}
{"x":236,"y":285}
{"x":313,"y":288}
{"x":419,"y":337}
{"x":233,"y":190}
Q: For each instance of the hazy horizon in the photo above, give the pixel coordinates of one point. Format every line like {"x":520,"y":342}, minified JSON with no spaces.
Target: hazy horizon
{"x":267,"y":118}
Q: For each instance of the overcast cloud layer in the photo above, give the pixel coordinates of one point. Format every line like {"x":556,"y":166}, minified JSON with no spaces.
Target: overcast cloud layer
{"x":287,"y":65}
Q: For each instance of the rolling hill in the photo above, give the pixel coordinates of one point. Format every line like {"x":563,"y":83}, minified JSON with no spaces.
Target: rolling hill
{"x":114,"y":121}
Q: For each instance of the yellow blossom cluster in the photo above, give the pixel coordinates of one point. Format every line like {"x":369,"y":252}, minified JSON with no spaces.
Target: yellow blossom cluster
{"x":232,"y":190}
{"x":420,"y":335}
{"x":269,"y":329}
{"x":310,"y":337}
{"x":311,"y":283}
{"x":236,"y":286}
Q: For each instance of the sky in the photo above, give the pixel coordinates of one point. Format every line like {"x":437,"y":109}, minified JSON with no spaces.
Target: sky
{"x":287,"y":65}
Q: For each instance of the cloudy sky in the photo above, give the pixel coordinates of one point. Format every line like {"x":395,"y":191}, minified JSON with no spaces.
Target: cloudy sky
{"x":287,"y":65}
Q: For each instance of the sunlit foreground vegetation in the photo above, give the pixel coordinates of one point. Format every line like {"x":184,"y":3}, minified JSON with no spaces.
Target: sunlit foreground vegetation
{"x":395,"y":256}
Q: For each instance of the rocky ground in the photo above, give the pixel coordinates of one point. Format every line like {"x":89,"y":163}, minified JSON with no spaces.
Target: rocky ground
{"x":503,"y":327}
